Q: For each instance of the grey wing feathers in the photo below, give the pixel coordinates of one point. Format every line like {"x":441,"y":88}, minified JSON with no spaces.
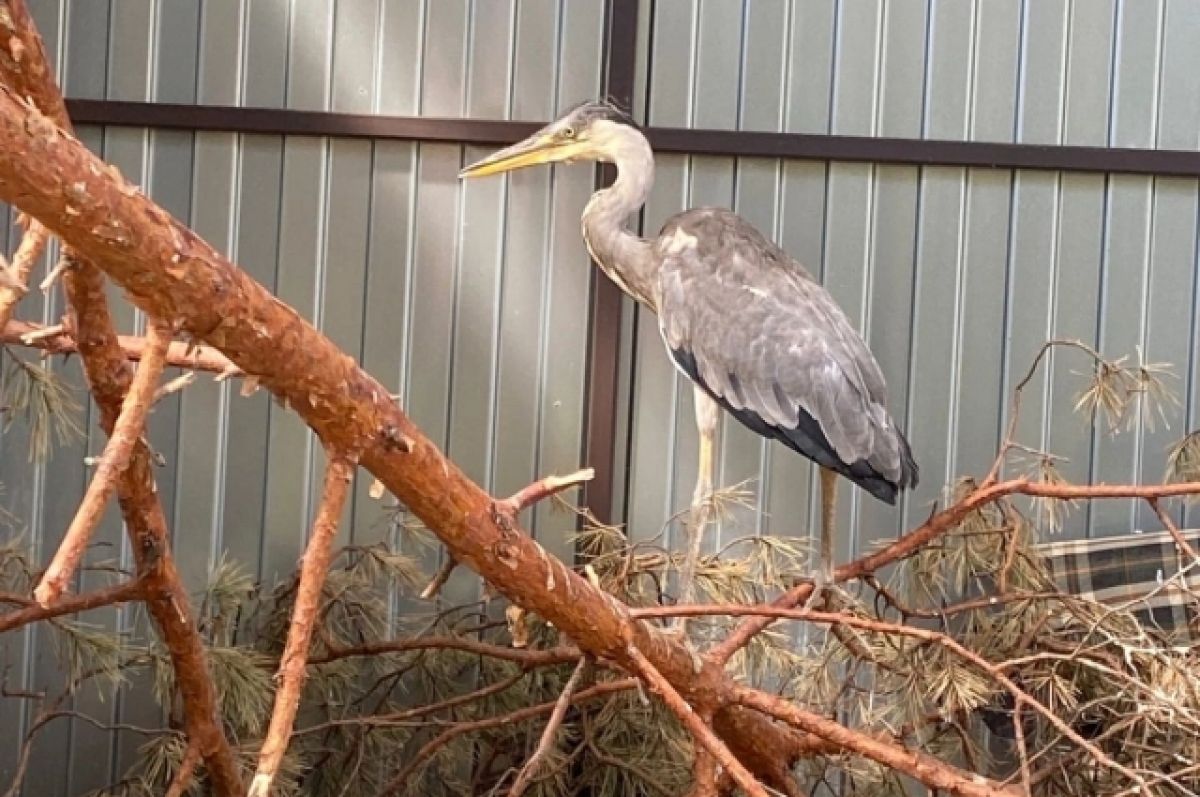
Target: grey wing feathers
{"x":751,"y":327}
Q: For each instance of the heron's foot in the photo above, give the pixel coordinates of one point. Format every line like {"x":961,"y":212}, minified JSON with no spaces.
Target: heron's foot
{"x":822,"y":583}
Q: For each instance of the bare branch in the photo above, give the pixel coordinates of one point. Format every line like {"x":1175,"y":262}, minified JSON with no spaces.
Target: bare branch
{"x":544,"y":488}
{"x":33,"y":612}
{"x":182,"y":780}
{"x":338,"y":475}
{"x":703,"y":734}
{"x":174,"y":386}
{"x":530,"y":769}
{"x":400,"y":780}
{"x":113,"y":463}
{"x":55,"y":273}
{"x":510,"y":507}
{"x":925,"y":768}
{"x":29,"y":250}
{"x":1181,"y":542}
{"x":179,"y":354}
{"x":532,"y":658}
{"x":940,"y":523}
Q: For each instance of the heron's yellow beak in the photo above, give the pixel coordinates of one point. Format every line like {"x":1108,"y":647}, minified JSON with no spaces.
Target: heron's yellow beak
{"x":539,"y":148}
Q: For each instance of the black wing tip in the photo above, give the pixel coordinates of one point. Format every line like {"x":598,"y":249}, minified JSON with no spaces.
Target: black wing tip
{"x":886,"y":490}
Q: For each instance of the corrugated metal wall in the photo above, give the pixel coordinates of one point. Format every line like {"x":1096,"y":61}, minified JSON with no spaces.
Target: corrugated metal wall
{"x":956,"y":275}
{"x":477,"y":315}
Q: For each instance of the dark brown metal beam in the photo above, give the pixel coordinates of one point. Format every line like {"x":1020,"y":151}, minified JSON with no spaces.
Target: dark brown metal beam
{"x":740,"y":143}
{"x":604,"y":323}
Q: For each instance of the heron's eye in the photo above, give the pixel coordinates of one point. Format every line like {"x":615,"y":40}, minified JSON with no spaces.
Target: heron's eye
{"x":568,"y":132}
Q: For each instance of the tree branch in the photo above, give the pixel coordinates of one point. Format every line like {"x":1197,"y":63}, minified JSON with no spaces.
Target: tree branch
{"x":701,"y":733}
{"x":338,"y":475}
{"x":29,"y":250}
{"x":182,"y":780}
{"x":400,"y":780}
{"x":179,"y":354}
{"x":509,"y":508}
{"x":534,"y":762}
{"x":113,"y":462}
{"x":925,"y":768}
{"x":935,"y":526}
{"x":533,"y":658}
{"x":34,"y":612}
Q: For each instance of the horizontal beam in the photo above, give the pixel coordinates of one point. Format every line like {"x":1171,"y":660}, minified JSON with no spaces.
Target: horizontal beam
{"x":729,"y":143}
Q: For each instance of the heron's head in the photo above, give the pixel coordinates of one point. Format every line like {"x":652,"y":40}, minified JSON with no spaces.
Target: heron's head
{"x":593,"y":131}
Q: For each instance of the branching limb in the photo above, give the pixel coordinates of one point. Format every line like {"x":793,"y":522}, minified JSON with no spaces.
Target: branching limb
{"x":511,"y":507}
{"x":542,"y":489}
{"x":33,"y":612}
{"x":182,"y":780}
{"x":400,"y":780}
{"x":938,"y":524}
{"x":1181,"y":542}
{"x":113,"y":463}
{"x":1019,"y":695}
{"x":532,"y":658}
{"x":338,"y":475}
{"x":702,"y":734}
{"x":57,"y":340}
{"x":925,"y":768}
{"x":530,"y":770}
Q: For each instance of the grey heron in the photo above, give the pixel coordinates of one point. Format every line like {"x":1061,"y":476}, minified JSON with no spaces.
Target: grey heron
{"x":745,"y":322}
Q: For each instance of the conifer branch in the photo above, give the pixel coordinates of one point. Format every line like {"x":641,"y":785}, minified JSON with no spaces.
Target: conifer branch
{"x":59,"y":340}
{"x":339,"y":473}
{"x":113,"y":462}
{"x":691,"y":720}
{"x":530,"y":769}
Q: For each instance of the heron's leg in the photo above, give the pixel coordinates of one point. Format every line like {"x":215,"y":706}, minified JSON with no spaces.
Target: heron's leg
{"x":707,"y":414}
{"x":823,"y":574}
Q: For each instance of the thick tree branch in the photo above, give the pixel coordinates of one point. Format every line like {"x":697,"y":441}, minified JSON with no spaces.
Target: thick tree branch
{"x":339,"y":473}
{"x":179,"y":355}
{"x":108,"y":375}
{"x":113,"y":462}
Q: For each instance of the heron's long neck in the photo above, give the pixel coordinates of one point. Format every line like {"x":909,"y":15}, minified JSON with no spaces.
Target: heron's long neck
{"x":624,"y":256}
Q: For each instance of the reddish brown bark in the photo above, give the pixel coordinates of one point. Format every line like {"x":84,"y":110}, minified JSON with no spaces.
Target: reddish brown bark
{"x":293,"y":662}
{"x":32,"y":612}
{"x":29,"y":250}
{"x":169,"y":272}
{"x":113,"y":462}
{"x":179,"y":355}
{"x":26,"y":73}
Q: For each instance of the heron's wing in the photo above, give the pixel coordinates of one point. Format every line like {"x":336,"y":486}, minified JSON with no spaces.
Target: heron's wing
{"x":749,"y":325}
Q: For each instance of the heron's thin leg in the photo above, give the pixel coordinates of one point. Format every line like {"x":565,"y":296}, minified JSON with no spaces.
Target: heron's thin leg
{"x":701,"y":510}
{"x":828,"y":516}
{"x":823,"y":573}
